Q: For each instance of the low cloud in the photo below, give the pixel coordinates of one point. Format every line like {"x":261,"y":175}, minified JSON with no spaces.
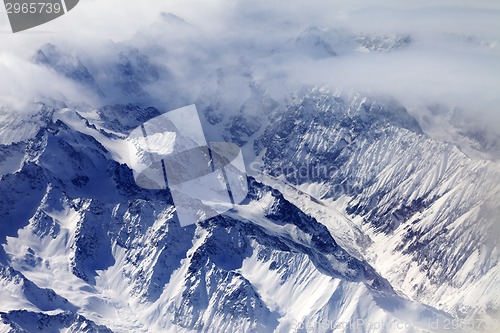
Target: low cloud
{"x":452,"y":58}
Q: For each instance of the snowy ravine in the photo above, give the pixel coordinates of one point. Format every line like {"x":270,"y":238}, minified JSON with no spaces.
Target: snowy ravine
{"x":398,"y":236}
{"x":429,"y":211}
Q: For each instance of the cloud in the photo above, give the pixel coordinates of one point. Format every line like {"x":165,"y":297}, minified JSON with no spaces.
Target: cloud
{"x":453,"y":58}
{"x":23,"y":82}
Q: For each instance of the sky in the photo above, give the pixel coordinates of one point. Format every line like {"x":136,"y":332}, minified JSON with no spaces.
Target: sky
{"x":453,"y":59}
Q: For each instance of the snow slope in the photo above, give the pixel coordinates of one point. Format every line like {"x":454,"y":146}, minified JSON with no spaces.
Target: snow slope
{"x":115,"y":254}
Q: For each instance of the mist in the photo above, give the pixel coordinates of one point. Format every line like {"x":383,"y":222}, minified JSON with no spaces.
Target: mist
{"x":453,"y":58}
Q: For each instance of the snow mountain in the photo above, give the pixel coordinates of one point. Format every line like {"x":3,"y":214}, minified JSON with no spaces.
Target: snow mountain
{"x":358,"y":218}
{"x":79,"y":237}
